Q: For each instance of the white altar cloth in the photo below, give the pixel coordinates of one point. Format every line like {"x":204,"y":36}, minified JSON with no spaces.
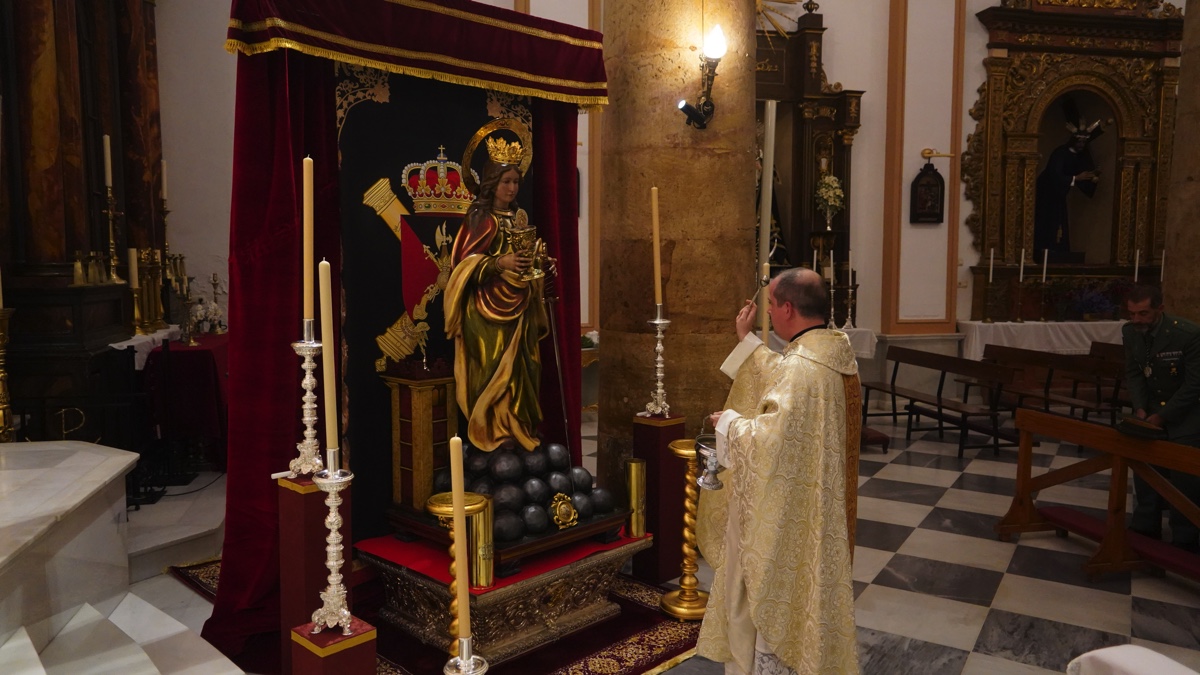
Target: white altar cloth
{"x":1060,"y":337}
{"x":144,"y":344}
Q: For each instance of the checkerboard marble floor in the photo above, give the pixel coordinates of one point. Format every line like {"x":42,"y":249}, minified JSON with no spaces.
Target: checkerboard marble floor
{"x":936,"y":592}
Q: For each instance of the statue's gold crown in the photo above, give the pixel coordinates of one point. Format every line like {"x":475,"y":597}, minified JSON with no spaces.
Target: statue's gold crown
{"x":502,"y":152}
{"x":437,"y":186}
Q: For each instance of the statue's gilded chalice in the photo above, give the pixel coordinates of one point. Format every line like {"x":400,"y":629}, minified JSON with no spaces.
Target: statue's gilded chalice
{"x":526,"y":243}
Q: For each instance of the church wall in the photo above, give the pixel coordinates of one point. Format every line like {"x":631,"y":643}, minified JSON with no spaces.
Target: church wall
{"x":197,"y":79}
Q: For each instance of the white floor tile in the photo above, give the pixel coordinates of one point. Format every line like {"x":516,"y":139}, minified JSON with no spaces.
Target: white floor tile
{"x":1051,"y":541}
{"x":1065,"y":603}
{"x":959,"y":549}
{"x":985,"y":664}
{"x":1173,"y":589}
{"x":888,"y":511}
{"x":918,"y":474}
{"x":975,"y":502}
{"x":868,"y":563}
{"x":945,"y":622}
{"x":1187,"y":657}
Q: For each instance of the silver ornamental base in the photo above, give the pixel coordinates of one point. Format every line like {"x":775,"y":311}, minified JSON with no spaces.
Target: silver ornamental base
{"x":334,"y":611}
{"x":658,"y":404}
{"x":467,"y":662}
{"x":309,"y":460}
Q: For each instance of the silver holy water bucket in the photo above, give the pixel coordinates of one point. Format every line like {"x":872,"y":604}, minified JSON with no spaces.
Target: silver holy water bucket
{"x":706,"y":448}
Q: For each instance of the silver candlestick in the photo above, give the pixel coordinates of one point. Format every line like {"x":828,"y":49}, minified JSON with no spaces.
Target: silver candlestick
{"x":334,"y":611}
{"x":467,"y":662}
{"x":309,"y":460}
{"x":832,"y":306}
{"x":658,"y":405}
{"x":849,"y":309}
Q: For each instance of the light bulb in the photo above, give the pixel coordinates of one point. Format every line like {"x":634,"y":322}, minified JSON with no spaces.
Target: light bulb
{"x":714,"y":43}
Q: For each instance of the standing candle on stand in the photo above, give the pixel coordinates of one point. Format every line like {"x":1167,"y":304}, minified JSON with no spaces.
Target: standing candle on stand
{"x":107,"y":161}
{"x":657,"y":257}
{"x":763,"y":317}
{"x":1137,"y":258}
{"x":164,"y":180}
{"x":1045,"y":260}
{"x":991,"y":262}
{"x":308,"y":238}
{"x":1021,"y":273}
{"x":459,"y":498}
{"x":328,"y":373}
{"x":849,"y":267}
{"x":133,"y":270}
{"x":814,"y":260}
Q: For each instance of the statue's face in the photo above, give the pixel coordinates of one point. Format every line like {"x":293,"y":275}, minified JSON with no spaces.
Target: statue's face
{"x":506,"y":189}
{"x":1079,"y":143}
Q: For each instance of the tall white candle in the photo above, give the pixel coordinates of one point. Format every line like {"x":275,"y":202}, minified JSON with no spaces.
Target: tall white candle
{"x":1162,"y":266}
{"x":1137,"y":258}
{"x":107,"y":161}
{"x":991,"y":262}
{"x":328,"y":372}
{"x":1045,"y":260}
{"x":133,"y":268}
{"x":459,"y":498}
{"x":850,"y":266}
{"x":164,"y":180}
{"x":768,"y":184}
{"x":1021,"y":274}
{"x":1,"y":290}
{"x":763,"y":317}
{"x":832,"y":268}
{"x":657,"y":246}
{"x":308,"y":238}
{"x":814,"y":260}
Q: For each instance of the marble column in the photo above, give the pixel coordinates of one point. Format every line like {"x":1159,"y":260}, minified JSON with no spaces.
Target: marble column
{"x":1181,"y":286}
{"x":706,"y":200}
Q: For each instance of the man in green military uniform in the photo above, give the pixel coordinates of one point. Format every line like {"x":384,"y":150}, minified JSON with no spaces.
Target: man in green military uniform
{"x":1162,"y":371}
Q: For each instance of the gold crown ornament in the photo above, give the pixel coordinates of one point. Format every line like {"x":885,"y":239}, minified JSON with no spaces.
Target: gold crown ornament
{"x":502,"y":152}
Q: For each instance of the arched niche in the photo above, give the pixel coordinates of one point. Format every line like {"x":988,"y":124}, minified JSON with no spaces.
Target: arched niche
{"x":1128,"y":60}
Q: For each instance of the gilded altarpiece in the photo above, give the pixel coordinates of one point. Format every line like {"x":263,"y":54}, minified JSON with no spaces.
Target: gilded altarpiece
{"x":1124,"y":51}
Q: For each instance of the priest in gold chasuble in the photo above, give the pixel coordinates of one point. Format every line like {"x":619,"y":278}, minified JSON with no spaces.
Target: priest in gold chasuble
{"x":776,"y":535}
{"x":494,"y":310}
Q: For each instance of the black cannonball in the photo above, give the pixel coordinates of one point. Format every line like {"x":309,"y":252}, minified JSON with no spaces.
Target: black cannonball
{"x":508,"y":444}
{"x":505,"y":466}
{"x":508,"y":526}
{"x":583,"y":504}
{"x":602,"y":500}
{"x":477,"y":461}
{"x":482,"y":486}
{"x":559,"y":482}
{"x":536,"y":462}
{"x":508,"y":497}
{"x":537,"y":490}
{"x":441,"y":481}
{"x":536,"y":519}
{"x":581,"y":478}
{"x":560,"y":459}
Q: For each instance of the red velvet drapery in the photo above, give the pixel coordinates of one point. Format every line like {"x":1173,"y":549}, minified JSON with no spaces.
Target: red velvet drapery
{"x":285,"y":111}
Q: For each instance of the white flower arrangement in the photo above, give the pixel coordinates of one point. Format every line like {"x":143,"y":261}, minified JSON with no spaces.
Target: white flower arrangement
{"x":829,"y":195}
{"x":207,"y":311}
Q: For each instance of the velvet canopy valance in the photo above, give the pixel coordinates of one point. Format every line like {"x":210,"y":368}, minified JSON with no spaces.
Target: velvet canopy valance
{"x":452,"y":40}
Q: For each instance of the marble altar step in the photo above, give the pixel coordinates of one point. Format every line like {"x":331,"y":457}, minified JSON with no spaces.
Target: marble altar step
{"x":90,"y":643}
{"x":174,"y":649}
{"x":18,"y":655}
{"x":184,"y":527}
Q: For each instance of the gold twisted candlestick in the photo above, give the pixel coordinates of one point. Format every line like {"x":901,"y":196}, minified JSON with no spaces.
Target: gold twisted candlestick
{"x":688,"y":603}
{"x":309,"y":460}
{"x":6,"y":419}
{"x":476,"y":507}
{"x":333,"y":611}
{"x":112,"y":214}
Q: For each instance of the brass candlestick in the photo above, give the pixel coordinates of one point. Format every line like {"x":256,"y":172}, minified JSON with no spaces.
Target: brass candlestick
{"x":309,"y":461}
{"x":688,"y":603}
{"x":333,"y":611}
{"x":658,"y":404}
{"x":6,"y":419}
{"x":475,"y":505}
{"x":140,"y":327}
{"x":152,"y":280}
{"x":112,"y":213}
{"x":635,"y":476}
{"x":188,"y":324}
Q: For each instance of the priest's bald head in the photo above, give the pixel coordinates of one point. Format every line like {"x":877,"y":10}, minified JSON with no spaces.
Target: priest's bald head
{"x":798,"y":300}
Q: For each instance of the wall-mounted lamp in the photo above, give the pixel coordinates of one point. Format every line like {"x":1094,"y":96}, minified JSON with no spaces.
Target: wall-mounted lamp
{"x":700,"y":115}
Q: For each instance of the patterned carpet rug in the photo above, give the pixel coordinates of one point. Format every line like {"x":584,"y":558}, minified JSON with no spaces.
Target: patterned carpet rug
{"x":640,"y":641}
{"x":200,"y":577}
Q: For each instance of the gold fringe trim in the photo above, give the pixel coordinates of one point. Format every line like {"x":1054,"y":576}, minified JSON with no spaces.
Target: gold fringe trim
{"x":235,"y":46}
{"x":664,"y":667}
{"x":275,"y":22}
{"x":497,"y":23}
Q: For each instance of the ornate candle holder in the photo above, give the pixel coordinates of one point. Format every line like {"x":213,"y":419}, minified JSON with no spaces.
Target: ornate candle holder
{"x":112,"y":213}
{"x":333,"y":611}
{"x":474,"y":507}
{"x":658,"y":405}
{"x":153,"y":281}
{"x":307,"y":348}
{"x":832,"y":306}
{"x":1017,"y":312}
{"x":6,"y":419}
{"x":987,"y":302}
{"x":189,"y":323}
{"x":467,"y":662}
{"x":687,"y":603}
{"x":140,"y":327}
{"x":1042,"y":302}
{"x":849,"y":308}
{"x":216,"y":284}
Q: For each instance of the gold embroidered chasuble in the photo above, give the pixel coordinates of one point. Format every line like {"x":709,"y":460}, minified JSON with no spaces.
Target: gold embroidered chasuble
{"x":777,"y":534}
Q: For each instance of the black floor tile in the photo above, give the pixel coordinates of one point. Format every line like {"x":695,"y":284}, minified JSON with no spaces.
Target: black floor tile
{"x":1039,"y":642}
{"x":868,"y":467}
{"x":1165,"y":622}
{"x":1066,"y":568}
{"x":966,"y":523}
{"x":931,"y":460}
{"x":887,"y":654}
{"x":880,"y":536}
{"x":901,"y":491}
{"x":990,"y":484}
{"x":942,"y":579}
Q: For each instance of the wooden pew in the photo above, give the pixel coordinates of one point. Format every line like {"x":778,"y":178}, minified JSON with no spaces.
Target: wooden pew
{"x":1039,"y":371}
{"x":1113,"y":354}
{"x":941,"y":406}
{"x":1120,"y":550}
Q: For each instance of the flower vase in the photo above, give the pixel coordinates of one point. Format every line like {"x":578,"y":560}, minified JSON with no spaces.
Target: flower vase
{"x":828,"y":221}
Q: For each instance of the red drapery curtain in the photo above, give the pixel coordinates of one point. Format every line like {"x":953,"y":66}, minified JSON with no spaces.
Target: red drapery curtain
{"x":285,"y":111}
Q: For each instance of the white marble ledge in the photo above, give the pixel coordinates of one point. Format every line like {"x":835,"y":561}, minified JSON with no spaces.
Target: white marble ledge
{"x":43,"y":483}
